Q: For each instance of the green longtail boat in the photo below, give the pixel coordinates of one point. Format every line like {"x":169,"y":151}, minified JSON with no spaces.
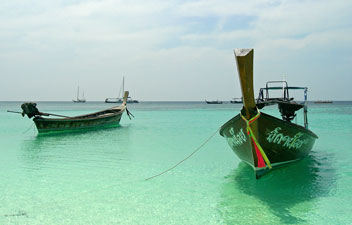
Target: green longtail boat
{"x":106,"y":118}
{"x":261,"y":140}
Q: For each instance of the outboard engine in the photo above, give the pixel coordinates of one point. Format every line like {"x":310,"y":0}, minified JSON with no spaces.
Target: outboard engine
{"x":30,"y":109}
{"x":288,"y":110}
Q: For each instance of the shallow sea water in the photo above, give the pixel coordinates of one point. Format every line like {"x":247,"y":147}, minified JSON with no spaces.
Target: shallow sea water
{"x":96,"y":177}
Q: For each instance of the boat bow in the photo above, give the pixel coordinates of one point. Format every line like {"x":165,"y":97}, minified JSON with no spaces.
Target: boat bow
{"x":261,"y":140}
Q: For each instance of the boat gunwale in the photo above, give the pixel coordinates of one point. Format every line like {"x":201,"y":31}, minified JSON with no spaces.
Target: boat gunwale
{"x":85,"y":117}
{"x":270,"y":117}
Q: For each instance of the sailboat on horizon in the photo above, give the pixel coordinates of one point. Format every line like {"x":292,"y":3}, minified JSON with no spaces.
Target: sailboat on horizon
{"x":78,"y":100}
{"x":120,"y":99}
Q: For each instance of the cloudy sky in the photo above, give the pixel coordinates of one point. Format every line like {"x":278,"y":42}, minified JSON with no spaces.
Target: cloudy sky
{"x":171,"y":50}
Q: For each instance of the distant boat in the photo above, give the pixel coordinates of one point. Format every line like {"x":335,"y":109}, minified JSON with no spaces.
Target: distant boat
{"x":78,"y":100}
{"x":236,"y":100}
{"x":103,"y":119}
{"x":118,"y":99}
{"x":259,"y":139}
{"x":130,"y":100}
{"x":213,"y":102}
{"x":323,"y":102}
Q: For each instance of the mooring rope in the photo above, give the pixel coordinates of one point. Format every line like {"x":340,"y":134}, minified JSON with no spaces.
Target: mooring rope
{"x":56,"y":202}
{"x":28,"y":129}
{"x":189,"y":156}
{"x":129,"y":114}
{"x":154,"y":176}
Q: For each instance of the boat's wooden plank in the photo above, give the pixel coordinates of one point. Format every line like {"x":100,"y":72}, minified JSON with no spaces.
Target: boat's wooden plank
{"x":244,"y":59}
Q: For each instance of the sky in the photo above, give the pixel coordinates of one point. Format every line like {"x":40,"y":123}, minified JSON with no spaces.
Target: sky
{"x":171,"y":50}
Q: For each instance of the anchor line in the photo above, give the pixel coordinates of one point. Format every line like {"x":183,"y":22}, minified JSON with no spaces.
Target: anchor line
{"x":55,"y":203}
{"x":189,"y":156}
{"x":129,"y":114}
{"x":28,"y":129}
{"x":159,"y":174}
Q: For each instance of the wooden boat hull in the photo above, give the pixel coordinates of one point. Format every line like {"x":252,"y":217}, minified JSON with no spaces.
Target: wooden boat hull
{"x":132,"y":101}
{"x":113,"y":100}
{"x":282,"y":141}
{"x":45,"y":125}
{"x":79,"y":101}
{"x":106,"y":118}
{"x":120,"y":101}
{"x":213,"y":102}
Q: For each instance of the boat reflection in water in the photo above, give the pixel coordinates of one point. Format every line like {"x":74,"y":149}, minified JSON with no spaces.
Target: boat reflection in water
{"x":41,"y":151}
{"x":279,"y":192}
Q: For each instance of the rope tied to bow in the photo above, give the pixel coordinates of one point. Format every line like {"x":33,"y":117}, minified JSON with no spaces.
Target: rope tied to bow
{"x":129,"y":114}
{"x":255,"y":141}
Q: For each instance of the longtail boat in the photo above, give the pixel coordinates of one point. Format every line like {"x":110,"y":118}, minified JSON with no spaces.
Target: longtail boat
{"x":261,"y":140}
{"x":106,"y":118}
{"x":213,"y":102}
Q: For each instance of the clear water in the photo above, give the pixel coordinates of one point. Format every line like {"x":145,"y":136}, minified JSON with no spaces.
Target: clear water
{"x":97,"y":177}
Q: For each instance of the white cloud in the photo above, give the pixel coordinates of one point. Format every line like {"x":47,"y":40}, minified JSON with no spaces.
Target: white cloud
{"x":166,"y":40}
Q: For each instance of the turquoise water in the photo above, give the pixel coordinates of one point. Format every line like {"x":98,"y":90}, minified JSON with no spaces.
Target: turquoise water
{"x":97,"y":177}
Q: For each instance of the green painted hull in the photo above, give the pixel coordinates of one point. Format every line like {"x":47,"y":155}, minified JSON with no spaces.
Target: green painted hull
{"x":282,"y":141}
{"x":103,"y":119}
